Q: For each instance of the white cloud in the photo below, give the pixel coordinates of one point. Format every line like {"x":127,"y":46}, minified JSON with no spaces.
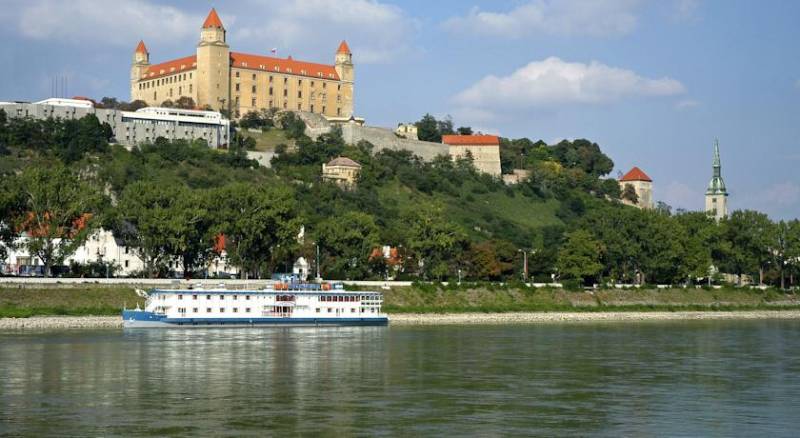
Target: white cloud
{"x":552,"y":82}
{"x":121,"y":23}
{"x":376,"y":32}
{"x":686,"y":10}
{"x":686,"y":104}
{"x":596,"y":18}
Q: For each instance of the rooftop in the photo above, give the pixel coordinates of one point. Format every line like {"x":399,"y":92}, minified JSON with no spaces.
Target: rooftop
{"x":213,"y":20}
{"x":471,"y":140}
{"x":343,"y":161}
{"x":635,"y":174}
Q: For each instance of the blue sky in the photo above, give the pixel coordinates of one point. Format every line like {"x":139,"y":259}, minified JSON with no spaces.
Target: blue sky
{"x":653,"y":82}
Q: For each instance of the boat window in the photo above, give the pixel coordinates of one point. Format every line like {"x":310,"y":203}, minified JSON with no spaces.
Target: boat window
{"x":317,"y":309}
{"x":222,"y":297}
{"x":194,"y":310}
{"x":194,"y":297}
{"x":221,"y":310}
{"x":247,"y":310}
{"x":235,"y":310}
{"x":208,"y":310}
{"x":353,"y":310}
{"x":330,"y":310}
{"x":247,"y":297}
{"x":235,"y":297}
{"x":180,"y":296}
{"x":208,"y":297}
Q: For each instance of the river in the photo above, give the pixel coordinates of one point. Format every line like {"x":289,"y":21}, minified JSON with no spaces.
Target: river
{"x":707,"y":378}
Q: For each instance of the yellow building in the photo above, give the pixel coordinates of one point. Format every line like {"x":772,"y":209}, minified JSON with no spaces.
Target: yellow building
{"x":341,"y":171}
{"x":216,"y":77}
{"x":483,"y":149}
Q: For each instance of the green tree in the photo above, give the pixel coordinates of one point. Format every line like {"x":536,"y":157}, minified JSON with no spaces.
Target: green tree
{"x":185,"y":102}
{"x":748,"y":233}
{"x":785,"y":247}
{"x":346,"y":242}
{"x":56,"y":210}
{"x":428,"y":129}
{"x":191,"y":238}
{"x":629,"y":194}
{"x":436,"y":243}
{"x":257,"y":222}
{"x":579,"y":258}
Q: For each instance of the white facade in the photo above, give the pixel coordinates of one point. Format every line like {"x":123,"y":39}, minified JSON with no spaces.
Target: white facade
{"x":102,"y":246}
{"x":133,"y":127}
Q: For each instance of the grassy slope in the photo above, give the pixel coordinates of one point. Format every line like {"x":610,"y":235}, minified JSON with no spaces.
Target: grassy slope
{"x":109,"y":300}
{"x":84,"y":300}
{"x":268,"y":140}
{"x":487,"y":298}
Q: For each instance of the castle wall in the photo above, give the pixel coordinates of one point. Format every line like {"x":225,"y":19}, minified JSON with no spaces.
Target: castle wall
{"x":384,"y":138}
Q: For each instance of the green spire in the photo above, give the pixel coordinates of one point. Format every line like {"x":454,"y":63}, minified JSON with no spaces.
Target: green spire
{"x":716,"y":186}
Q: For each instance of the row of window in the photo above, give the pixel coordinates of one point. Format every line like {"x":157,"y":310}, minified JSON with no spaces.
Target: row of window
{"x":164,"y":81}
{"x":182,"y":310}
{"x":271,"y":80}
{"x":322,"y":298}
{"x":208,"y":297}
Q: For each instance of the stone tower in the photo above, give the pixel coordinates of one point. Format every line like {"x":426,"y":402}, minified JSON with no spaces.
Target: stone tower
{"x":344,"y":68}
{"x":141,"y":60}
{"x":716,"y":194}
{"x":213,"y":65}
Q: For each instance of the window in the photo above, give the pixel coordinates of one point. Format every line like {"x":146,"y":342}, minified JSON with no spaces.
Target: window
{"x":299,"y":82}
{"x":247,"y":310}
{"x":222,"y":297}
{"x":338,"y":111}
{"x":323,"y":110}
{"x":270,"y":91}
{"x":270,"y":79}
{"x":353,"y":310}
{"x":180,"y":296}
{"x":299,"y":107}
{"x":247,"y":297}
{"x":180,"y":90}
{"x":254,"y":89}
{"x":285,"y":92}
{"x":253,"y":102}
{"x":194,"y":297}
{"x":338,"y":87}
{"x":127,"y":263}
{"x":312,"y":108}
{"x":194,"y":310}
{"x":235,"y":297}
{"x":317,"y":309}
{"x":312,"y":84}
{"x":285,"y":81}
{"x":237,"y":74}
{"x":208,"y":297}
{"x":221,"y":310}
{"x":235,"y":310}
{"x":324,"y":85}
{"x":299,"y":94}
{"x":330,"y":310}
{"x":208,"y":310}
{"x":237,"y":86}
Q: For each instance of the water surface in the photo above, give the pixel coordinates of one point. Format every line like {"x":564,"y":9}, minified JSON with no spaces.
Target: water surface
{"x":711,"y":378}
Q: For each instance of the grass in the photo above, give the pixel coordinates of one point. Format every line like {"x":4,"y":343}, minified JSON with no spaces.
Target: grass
{"x":72,"y":301}
{"x":268,"y":140}
{"x":428,"y":298}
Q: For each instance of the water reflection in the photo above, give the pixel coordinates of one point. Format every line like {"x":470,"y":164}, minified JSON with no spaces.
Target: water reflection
{"x":713,"y":378}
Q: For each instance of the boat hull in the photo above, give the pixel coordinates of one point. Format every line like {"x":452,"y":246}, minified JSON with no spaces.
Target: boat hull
{"x":143,"y":319}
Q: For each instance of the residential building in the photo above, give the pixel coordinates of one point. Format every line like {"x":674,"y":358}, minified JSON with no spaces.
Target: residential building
{"x":342,"y":171}
{"x":642,"y":186}
{"x":216,"y":77}
{"x":407,"y":130}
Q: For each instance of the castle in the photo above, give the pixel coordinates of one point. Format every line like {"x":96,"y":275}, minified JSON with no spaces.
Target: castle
{"x":222,"y":80}
{"x":716,"y":193}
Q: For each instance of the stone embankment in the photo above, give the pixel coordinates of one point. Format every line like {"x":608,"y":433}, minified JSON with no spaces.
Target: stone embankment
{"x":428,"y":319}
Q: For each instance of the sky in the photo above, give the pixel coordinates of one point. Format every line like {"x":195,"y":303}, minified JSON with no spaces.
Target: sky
{"x":654,"y":83}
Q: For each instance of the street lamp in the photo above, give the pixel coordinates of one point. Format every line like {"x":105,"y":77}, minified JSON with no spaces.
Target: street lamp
{"x":524,"y":264}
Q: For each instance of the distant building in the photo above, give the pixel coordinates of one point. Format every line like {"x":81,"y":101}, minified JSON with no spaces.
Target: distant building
{"x":641,"y":184}
{"x":216,"y":77}
{"x":407,"y":130}
{"x":516,"y":176}
{"x":716,"y":193}
{"x":131,"y":128}
{"x":342,"y":171}
{"x":484,"y":150}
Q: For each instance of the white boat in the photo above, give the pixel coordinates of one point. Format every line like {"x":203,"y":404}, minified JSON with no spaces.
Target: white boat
{"x":278,"y":304}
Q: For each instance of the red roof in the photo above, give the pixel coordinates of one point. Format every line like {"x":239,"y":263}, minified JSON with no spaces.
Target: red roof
{"x":471,"y":140}
{"x":343,"y":48}
{"x":279,"y":65}
{"x":213,"y":20}
{"x":141,"y":47}
{"x":636,"y":174}
{"x":170,"y":67}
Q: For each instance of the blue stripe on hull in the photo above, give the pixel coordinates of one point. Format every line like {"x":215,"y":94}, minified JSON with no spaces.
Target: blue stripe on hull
{"x":149,"y":319}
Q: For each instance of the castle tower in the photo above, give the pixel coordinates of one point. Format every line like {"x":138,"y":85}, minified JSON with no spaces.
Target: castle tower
{"x":344,"y":68}
{"x":140,"y":62}
{"x":213,"y":65}
{"x":641,"y":184}
{"x":716,"y":194}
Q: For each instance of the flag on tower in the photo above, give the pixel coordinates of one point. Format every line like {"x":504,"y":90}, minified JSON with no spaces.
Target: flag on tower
{"x":274,"y":50}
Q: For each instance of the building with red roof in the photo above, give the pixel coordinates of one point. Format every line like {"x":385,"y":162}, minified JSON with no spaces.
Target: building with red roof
{"x":484,"y":150}
{"x":639,"y":183}
{"x":217,"y":78}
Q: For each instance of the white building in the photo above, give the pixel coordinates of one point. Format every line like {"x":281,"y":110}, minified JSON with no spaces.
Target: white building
{"x":133,"y":127}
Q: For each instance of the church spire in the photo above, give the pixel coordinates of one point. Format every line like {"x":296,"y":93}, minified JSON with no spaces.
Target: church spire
{"x":716,"y":186}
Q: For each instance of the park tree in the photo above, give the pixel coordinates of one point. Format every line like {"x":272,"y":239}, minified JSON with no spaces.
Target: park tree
{"x":257,"y":222}
{"x":185,"y":102}
{"x":702,"y":242}
{"x":464,"y":130}
{"x":435,"y":242}
{"x":55,"y":208}
{"x":748,"y":233}
{"x":579,"y":257}
{"x":191,"y":238}
{"x":784,"y":246}
{"x":146,"y":221}
{"x":492,"y":260}
{"x":346,"y":242}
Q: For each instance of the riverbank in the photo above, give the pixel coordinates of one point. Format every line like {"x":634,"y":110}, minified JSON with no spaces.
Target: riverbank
{"x":429,"y":319}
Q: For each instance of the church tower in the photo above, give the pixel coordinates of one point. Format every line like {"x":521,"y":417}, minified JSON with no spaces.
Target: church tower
{"x":213,"y":65}
{"x":344,"y":68}
{"x":716,"y":194}
{"x":141,"y":60}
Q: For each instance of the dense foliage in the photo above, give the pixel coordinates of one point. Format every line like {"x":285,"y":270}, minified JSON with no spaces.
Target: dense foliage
{"x":179,"y":203}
